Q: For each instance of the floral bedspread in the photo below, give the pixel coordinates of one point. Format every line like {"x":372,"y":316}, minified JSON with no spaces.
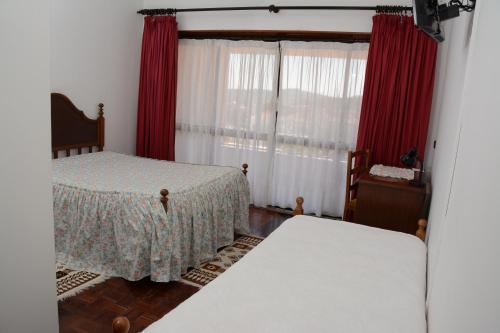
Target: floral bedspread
{"x":109,"y":219}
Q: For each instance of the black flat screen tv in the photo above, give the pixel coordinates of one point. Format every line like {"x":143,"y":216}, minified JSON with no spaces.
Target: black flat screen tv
{"x":425,"y":14}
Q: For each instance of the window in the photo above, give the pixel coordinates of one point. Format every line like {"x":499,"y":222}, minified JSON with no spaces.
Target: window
{"x":231,"y":111}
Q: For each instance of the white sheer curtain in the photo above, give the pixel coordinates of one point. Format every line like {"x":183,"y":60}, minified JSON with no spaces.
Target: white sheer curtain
{"x":318,"y":114}
{"x":226,"y":107}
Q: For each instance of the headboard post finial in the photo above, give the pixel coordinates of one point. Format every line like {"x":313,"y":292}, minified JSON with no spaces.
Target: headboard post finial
{"x":100,"y":121}
{"x":245,"y":168}
{"x":101,"y":112}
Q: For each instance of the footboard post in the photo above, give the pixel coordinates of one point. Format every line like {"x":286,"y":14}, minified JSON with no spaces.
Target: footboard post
{"x":164,"y":199}
{"x":299,"y":210}
{"x":245,"y":167}
{"x":421,"y":231}
{"x":121,"y":325}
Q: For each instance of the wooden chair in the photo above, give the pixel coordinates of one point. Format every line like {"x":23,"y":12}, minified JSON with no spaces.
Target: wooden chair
{"x":358,"y":163}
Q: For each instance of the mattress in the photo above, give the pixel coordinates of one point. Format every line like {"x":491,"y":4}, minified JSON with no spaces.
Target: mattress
{"x":109,"y":219}
{"x":314,"y":275}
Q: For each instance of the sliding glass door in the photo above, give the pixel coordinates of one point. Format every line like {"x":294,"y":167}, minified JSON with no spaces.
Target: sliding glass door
{"x":226,"y":111}
{"x":320,"y":94}
{"x":295,"y":138}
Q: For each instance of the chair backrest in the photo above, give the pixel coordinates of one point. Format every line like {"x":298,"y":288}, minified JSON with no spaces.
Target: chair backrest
{"x":358,"y":163}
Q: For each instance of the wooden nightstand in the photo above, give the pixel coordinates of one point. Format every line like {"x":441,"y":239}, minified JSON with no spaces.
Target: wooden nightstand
{"x":391,"y":204}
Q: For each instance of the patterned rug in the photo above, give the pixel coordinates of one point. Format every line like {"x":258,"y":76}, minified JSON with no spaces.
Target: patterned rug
{"x":200,"y":277}
{"x":71,"y":282}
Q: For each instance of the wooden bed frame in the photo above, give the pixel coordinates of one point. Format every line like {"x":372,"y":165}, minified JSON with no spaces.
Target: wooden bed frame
{"x":122,"y":324}
{"x":421,"y":230}
{"x":72,"y":129}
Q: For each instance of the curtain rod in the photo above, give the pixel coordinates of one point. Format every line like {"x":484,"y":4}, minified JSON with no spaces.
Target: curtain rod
{"x":274,"y":9}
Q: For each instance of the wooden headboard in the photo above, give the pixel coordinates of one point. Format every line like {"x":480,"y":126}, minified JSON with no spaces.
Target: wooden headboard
{"x":72,"y":129}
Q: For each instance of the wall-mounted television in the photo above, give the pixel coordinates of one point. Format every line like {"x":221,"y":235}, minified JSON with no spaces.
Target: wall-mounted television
{"x":429,"y":13}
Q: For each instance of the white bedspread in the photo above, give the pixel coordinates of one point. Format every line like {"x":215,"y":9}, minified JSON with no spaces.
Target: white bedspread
{"x":314,"y":275}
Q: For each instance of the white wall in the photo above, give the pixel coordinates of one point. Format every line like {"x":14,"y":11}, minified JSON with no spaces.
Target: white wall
{"x":464,"y":290}
{"x":95,"y":55}
{"x":354,"y":21}
{"x":445,"y":124}
{"x":27,"y":281}
{"x":449,"y":81}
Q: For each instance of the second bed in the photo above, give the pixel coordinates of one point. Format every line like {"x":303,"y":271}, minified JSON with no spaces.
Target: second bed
{"x":112,"y":217}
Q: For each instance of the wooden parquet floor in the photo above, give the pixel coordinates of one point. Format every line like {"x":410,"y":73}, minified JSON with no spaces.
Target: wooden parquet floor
{"x":143,"y":302}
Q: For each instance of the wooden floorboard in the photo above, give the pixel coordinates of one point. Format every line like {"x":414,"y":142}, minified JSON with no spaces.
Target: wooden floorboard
{"x":144,"y":301}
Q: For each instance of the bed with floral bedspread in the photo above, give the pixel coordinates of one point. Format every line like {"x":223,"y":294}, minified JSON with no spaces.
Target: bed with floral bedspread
{"x":109,"y":218}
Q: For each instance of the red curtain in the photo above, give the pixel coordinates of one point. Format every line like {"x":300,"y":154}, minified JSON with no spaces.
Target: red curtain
{"x":157,"y":89}
{"x":398,"y":89}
